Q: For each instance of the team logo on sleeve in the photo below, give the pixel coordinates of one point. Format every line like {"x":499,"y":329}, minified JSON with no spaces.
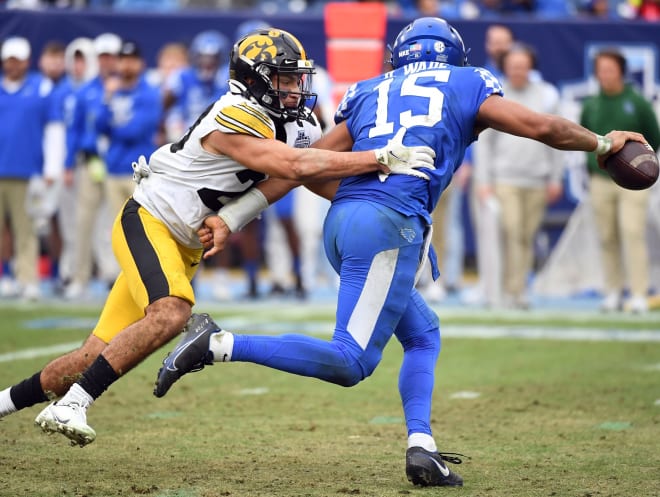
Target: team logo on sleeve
{"x":490,"y":80}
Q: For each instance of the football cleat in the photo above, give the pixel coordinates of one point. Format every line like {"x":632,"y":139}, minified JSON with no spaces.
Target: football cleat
{"x":68,"y":419}
{"x":428,"y":469}
{"x":190,"y":354}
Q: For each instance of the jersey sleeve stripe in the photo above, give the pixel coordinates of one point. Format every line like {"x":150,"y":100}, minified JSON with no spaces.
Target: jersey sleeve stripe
{"x":241,"y":120}
{"x":259,"y":115}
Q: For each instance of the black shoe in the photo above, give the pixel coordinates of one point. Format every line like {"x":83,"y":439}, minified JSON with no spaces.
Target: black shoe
{"x":428,"y":469}
{"x":277,"y":290}
{"x":190,"y":354}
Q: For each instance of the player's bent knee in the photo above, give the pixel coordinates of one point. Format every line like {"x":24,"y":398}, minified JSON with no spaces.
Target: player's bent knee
{"x":348,"y":375}
{"x":169,"y":316}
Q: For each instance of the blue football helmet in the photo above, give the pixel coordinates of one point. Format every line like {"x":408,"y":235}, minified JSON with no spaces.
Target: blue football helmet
{"x":210,"y":43}
{"x":430,"y":39}
{"x":248,"y":26}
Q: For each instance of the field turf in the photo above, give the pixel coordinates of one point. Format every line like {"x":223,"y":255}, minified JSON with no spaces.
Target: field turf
{"x":565,"y":415}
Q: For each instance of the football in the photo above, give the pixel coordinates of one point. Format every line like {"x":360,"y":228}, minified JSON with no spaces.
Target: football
{"x":634,"y":167}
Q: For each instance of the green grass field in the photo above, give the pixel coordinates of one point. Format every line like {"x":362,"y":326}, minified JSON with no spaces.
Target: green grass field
{"x":548,"y":417}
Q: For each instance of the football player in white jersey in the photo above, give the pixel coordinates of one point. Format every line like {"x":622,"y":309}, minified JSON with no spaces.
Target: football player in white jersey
{"x":230,"y":148}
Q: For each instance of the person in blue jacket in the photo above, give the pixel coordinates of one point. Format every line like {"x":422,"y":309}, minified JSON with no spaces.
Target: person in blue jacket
{"x":129,"y":115}
{"x":32,"y":122}
{"x":87,"y":155}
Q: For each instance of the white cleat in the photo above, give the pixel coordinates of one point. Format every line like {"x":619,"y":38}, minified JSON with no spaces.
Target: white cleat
{"x":68,"y":419}
{"x":611,"y":303}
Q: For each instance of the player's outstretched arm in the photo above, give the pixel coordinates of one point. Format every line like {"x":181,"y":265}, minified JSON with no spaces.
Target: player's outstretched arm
{"x":510,"y":117}
{"x":277,"y":159}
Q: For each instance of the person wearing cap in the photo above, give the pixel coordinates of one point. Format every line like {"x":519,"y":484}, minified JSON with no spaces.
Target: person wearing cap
{"x":32,"y":123}
{"x":129,"y":115}
{"x":92,"y":214}
{"x":55,"y":232}
{"x":68,"y":67}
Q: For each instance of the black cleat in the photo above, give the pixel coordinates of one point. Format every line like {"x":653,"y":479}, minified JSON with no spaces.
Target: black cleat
{"x":428,"y":469}
{"x":190,"y":354}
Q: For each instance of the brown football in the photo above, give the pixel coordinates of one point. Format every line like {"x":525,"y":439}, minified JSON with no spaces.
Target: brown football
{"x":634,"y":167}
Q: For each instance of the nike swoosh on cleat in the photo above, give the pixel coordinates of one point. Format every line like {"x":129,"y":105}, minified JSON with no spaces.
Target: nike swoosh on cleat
{"x":443,"y":469}
{"x":59,"y":419}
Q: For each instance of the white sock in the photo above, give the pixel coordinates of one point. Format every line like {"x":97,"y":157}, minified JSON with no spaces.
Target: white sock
{"x":6,"y":404}
{"x":77,"y":395}
{"x":422,"y":440}
{"x":222,"y":345}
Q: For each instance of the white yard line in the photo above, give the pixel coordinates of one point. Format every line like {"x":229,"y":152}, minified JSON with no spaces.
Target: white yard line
{"x":272,"y":327}
{"x":39,"y":352}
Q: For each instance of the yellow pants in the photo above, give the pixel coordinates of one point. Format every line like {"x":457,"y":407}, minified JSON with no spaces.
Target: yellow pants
{"x":153,"y":265}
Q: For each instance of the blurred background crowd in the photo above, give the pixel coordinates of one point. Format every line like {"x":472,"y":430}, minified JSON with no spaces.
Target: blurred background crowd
{"x":449,"y":9}
{"x":94,"y":104}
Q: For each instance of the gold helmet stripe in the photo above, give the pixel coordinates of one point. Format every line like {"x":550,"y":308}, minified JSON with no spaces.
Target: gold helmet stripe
{"x":301,"y":49}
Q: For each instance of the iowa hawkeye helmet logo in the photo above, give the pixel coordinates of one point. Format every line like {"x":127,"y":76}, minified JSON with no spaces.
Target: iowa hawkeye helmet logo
{"x":261,"y":47}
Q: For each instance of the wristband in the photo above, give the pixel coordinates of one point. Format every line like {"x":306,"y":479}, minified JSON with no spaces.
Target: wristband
{"x":604,"y":145}
{"x":243,"y":209}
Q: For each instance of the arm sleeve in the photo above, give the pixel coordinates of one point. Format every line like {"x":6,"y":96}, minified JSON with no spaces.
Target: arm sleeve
{"x":54,"y":146}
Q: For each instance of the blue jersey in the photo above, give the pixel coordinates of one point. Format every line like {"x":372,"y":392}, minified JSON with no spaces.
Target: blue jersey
{"x":437,"y":104}
{"x":24,"y":115}
{"x":85,"y":137}
{"x":64,"y":95}
{"x":130,"y":120}
{"x":193,"y":95}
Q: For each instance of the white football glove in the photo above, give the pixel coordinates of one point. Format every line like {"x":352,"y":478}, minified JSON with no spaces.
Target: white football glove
{"x":141,"y":169}
{"x":400,"y":159}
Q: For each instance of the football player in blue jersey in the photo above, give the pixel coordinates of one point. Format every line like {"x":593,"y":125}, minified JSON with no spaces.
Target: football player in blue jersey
{"x":236,"y":143}
{"x":377,"y":230}
{"x":188,"y":92}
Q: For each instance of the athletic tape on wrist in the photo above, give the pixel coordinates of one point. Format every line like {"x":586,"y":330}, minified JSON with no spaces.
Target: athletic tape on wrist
{"x":381,"y":156}
{"x":604,"y":145}
{"x":243,"y":209}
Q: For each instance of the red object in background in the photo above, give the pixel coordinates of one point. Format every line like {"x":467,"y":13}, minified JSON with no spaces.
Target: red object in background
{"x":649,"y":10}
{"x":355,"y":44}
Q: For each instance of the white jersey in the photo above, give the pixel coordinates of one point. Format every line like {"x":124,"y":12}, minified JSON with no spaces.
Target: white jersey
{"x":187,"y":183}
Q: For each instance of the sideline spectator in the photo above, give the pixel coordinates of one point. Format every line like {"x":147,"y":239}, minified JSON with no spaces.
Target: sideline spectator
{"x":522,"y":175}
{"x":190,"y":91}
{"x":172,"y":58}
{"x":624,"y":244}
{"x":80,"y":67}
{"x":44,"y":208}
{"x":92,"y":214}
{"x":129,"y":114}
{"x":499,"y":39}
{"x":31,"y":124}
